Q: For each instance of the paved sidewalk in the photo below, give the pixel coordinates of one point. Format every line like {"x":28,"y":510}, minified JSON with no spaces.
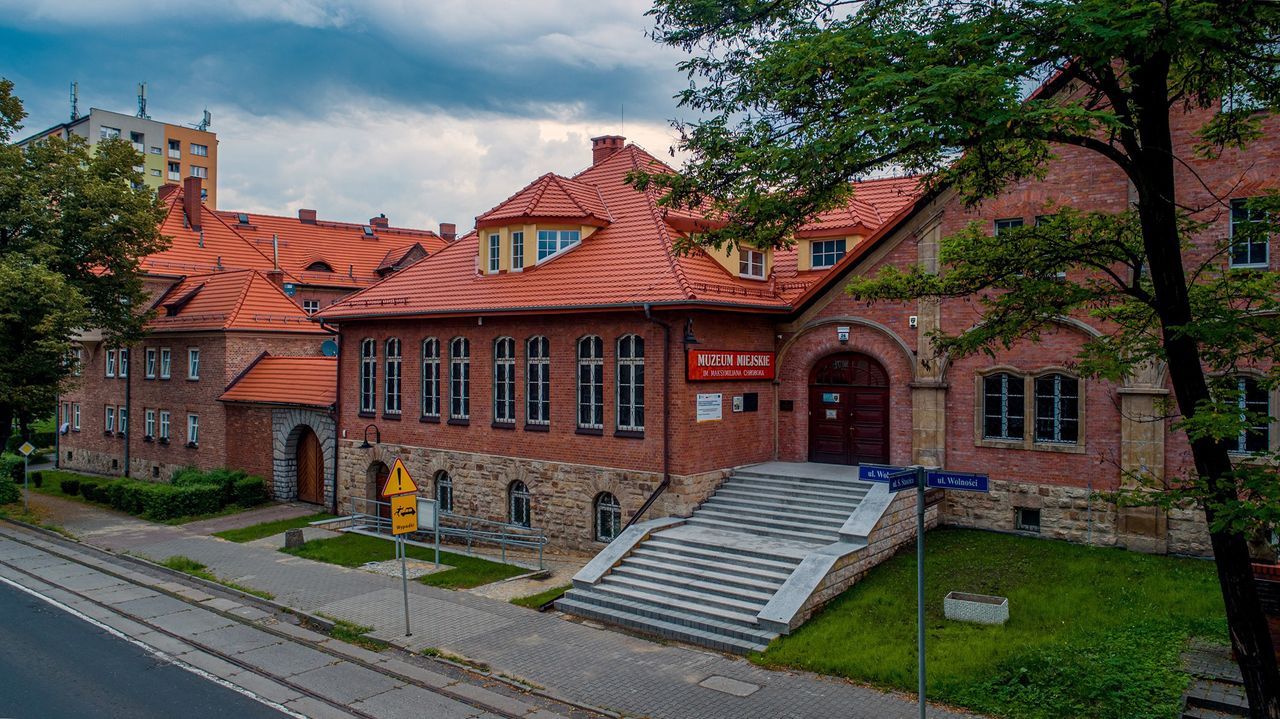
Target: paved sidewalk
{"x":598,"y":667}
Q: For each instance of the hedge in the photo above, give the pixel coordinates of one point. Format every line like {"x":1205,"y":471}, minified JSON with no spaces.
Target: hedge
{"x":9,"y":493}
{"x":250,"y":491}
{"x":11,"y":466}
{"x":71,"y":487}
{"x":191,"y":492}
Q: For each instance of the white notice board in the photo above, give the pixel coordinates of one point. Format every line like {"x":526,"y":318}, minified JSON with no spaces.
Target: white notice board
{"x":710,"y":407}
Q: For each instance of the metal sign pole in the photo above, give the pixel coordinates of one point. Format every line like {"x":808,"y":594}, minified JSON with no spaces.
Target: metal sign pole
{"x":26,"y":482}
{"x":404,"y":581}
{"x":920,"y":480}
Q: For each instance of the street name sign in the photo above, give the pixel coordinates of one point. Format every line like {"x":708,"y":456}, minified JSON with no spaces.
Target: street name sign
{"x":399,"y":481}
{"x":876,"y":472}
{"x":906,"y":479}
{"x":963,"y":481}
{"x":404,"y":514}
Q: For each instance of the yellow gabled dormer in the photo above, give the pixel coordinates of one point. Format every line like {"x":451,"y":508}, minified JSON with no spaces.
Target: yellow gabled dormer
{"x":517,"y":247}
{"x":549,"y":217}
{"x":746,"y":262}
{"x":822,"y":253}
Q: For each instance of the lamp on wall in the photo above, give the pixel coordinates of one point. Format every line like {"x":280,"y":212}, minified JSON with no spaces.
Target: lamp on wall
{"x":377,"y":436}
{"x":689,"y":338}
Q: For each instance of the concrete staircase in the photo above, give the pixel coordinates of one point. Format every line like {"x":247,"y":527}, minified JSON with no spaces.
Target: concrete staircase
{"x":706,"y":580}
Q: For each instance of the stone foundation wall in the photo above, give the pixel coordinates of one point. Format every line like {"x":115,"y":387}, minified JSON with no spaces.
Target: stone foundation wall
{"x":286,"y":427}
{"x":84,"y":460}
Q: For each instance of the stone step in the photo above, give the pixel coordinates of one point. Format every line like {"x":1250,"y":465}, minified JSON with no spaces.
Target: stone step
{"x":793,"y":489}
{"x":748,"y":500}
{"x":750,"y":595}
{"x":812,"y":537}
{"x":1202,"y":713}
{"x":1217,"y":696}
{"x":663,"y":629}
{"x":784,"y":522}
{"x":689,"y":568}
{"x":662,"y":605}
{"x":852,"y":483}
{"x":752,"y":516}
{"x":672,"y":614}
{"x":682,"y":594}
{"x":716,"y":553}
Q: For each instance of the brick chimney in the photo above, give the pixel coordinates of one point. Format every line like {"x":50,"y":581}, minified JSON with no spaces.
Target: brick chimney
{"x":166,"y":190}
{"x":307,"y":216}
{"x":380,"y":221}
{"x":448,"y":231}
{"x":276,"y":277}
{"x":604,"y":146}
{"x":191,"y":201}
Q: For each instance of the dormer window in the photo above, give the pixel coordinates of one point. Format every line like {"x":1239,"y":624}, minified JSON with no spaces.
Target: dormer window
{"x":553,"y":242}
{"x":243,"y":218}
{"x":319,"y":266}
{"x":751,"y":263}
{"x":495,"y":252}
{"x":826,"y":253}
{"x":368,"y":231}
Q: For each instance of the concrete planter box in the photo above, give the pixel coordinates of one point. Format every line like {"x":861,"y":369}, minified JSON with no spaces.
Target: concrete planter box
{"x":976,"y":608}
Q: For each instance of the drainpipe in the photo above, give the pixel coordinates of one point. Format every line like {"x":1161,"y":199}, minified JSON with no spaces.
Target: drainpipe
{"x":128,"y":408}
{"x":666,"y":417}
{"x":336,"y":413}
{"x":57,"y":430}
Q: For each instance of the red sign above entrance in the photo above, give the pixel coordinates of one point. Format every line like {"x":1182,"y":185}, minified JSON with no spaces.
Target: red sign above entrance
{"x":705,"y":365}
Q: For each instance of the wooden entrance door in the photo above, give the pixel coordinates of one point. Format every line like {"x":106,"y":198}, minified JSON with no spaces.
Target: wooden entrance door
{"x":381,"y":473}
{"x":310,"y":468}
{"x":849,"y":410}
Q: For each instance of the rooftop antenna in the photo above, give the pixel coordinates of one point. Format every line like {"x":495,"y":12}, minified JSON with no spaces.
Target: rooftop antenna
{"x":275,"y":250}
{"x":205,"y":121}
{"x":75,"y":101}
{"x":142,"y":101}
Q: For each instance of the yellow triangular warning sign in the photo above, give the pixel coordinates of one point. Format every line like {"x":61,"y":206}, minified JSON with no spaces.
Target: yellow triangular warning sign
{"x":399,"y":481}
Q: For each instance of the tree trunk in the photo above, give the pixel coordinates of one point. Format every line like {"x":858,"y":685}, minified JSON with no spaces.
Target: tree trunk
{"x":6,"y":422}
{"x":1158,"y":211}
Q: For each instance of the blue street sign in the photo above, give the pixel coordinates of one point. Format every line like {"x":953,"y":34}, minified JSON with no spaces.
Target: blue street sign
{"x":963,"y":481}
{"x":905,"y":479}
{"x":876,"y":472}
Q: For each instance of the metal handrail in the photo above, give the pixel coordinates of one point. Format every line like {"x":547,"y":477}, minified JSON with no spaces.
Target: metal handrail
{"x":463,"y":528}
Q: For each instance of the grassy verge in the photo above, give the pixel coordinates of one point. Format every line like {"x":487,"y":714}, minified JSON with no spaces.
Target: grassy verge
{"x":535,"y":601}
{"x":353,"y":550}
{"x":268,"y":529}
{"x":187,"y":565}
{"x":356,"y":634}
{"x":33,"y":516}
{"x":1092,"y":632}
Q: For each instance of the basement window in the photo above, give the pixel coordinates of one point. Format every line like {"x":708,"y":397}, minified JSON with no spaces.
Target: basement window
{"x":1027,"y":520}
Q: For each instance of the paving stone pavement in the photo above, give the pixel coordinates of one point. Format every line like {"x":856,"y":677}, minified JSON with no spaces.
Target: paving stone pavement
{"x":599,"y":667}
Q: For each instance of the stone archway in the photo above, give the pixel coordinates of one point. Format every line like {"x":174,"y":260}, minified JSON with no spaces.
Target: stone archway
{"x":289,"y":427}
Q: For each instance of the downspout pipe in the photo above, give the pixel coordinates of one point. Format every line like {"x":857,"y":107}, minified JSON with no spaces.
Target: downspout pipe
{"x":666,"y":417}
{"x":336,"y":413}
{"x":128,"y":408}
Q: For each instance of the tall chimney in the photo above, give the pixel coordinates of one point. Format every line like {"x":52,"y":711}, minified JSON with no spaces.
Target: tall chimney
{"x":604,"y":146}
{"x":307,"y":216}
{"x":380,"y":221}
{"x":191,"y":201}
{"x":448,"y":231}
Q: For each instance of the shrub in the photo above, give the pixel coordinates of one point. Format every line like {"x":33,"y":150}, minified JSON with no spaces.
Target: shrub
{"x":12,"y":444}
{"x":9,"y":493}
{"x":71,"y":487}
{"x":126,"y":496}
{"x":165,"y":501}
{"x":224,"y":479}
{"x":11,"y":466}
{"x":93,"y":490}
{"x":250,"y":491}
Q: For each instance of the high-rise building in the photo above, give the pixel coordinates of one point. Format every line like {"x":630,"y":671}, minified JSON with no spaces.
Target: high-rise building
{"x":170,"y":152}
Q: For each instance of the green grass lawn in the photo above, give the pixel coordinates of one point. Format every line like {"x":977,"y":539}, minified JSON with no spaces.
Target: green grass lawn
{"x":1092,"y":632}
{"x":535,"y":601}
{"x":267,"y":529}
{"x":353,"y":550}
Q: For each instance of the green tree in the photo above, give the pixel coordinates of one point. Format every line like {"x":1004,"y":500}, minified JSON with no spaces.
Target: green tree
{"x":80,"y":215}
{"x":799,"y":97}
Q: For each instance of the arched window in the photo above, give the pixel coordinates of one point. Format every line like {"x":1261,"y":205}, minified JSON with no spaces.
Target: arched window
{"x":538,"y":381}
{"x":1003,"y":406}
{"x":1255,"y":412}
{"x":504,"y":380}
{"x":460,"y":378}
{"x":591,"y":383}
{"x":631,"y":383}
{"x":444,"y":491}
{"x":518,"y":503}
{"x":319,"y":266}
{"x":431,"y":378}
{"x":608,"y":517}
{"x":1057,"y":402}
{"x":368,"y":376}
{"x":391,"y":382}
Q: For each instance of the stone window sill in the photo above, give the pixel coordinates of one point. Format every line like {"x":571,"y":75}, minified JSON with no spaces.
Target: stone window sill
{"x":591,"y":431}
{"x":503,"y":425}
{"x":391,"y":417}
{"x":429,"y":419}
{"x":629,"y":434}
{"x":537,"y":428}
{"x":367,"y":415}
{"x":459,"y":422}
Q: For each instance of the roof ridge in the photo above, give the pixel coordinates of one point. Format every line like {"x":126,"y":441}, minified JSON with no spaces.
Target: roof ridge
{"x":540,"y":189}
{"x":668,"y":248}
{"x":245,"y":240}
{"x":346,"y":299}
{"x":234,"y":314}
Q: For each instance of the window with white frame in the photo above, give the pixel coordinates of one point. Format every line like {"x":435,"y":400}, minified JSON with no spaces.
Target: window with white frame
{"x":151,"y":363}
{"x":591,"y":383}
{"x":165,"y":361}
{"x":630,"y":365}
{"x":504,"y":380}
{"x":751,"y":263}
{"x":608,"y":517}
{"x":108,"y":133}
{"x":1249,"y":239}
{"x":391,"y":381}
{"x":553,"y":242}
{"x":1008,"y":223}
{"x":1004,"y":406}
{"x":517,"y":251}
{"x":826,"y":253}
{"x":460,"y":378}
{"x":311,"y":306}
{"x":1057,"y":408}
{"x":495,"y":251}
{"x":431,"y":377}
{"x":368,"y":376}
{"x":193,"y":363}
{"x":538,"y":381}
{"x":124,"y":363}
{"x":1255,"y":413}
{"x":198,"y":171}
{"x":193,"y":430}
{"x":199,"y":150}
{"x":150,"y":423}
{"x":77,"y":361}
{"x":75,"y":416}
{"x":444,"y":491}
{"x":111,"y":363}
{"x":518,"y":500}
{"x":109,"y":422}
{"x":164,"y":426}
{"x":122,"y":420}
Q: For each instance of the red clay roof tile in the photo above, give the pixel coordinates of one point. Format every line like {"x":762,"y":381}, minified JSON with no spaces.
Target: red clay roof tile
{"x":307,"y":381}
{"x":234,"y":300}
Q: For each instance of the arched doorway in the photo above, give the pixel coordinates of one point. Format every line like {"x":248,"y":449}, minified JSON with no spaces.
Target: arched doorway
{"x":310,"y":463}
{"x":376,"y":479}
{"x":848,"y":410}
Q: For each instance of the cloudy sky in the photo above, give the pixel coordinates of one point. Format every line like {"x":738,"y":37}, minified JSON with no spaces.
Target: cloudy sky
{"x":428,"y":110}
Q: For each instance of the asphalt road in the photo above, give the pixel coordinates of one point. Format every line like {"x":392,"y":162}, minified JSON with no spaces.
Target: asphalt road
{"x":55,"y":665}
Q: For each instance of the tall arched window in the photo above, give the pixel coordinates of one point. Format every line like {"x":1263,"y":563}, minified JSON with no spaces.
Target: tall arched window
{"x":631,"y":383}
{"x":431,"y":378}
{"x":460,"y":378}
{"x":504,"y":380}
{"x":608,"y":517}
{"x":518,"y":504}
{"x":444,"y":491}
{"x":1057,"y":408}
{"x":1003,"y":406}
{"x":391,"y":380}
{"x":538,"y":381}
{"x":591,"y":383}
{"x":368,"y":376}
{"x":1255,"y":412}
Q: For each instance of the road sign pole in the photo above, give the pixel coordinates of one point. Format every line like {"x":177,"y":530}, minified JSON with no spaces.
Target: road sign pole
{"x":404,"y":582}
{"x":26,"y":482}
{"x":920,"y":479}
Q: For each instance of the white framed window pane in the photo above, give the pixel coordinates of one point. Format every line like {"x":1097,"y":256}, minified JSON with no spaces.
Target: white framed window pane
{"x":165,"y":360}
{"x":368,"y":376}
{"x":193,"y":363}
{"x":826,"y":253}
{"x":111,"y":363}
{"x":193,"y":429}
{"x":391,"y":382}
{"x":460,"y":378}
{"x":495,"y":252}
{"x":431,"y":377}
{"x":1249,"y":243}
{"x":517,"y":250}
{"x":164,"y":425}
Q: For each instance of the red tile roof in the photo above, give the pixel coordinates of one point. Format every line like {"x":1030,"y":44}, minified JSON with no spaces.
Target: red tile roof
{"x":308,"y":381}
{"x":629,"y":262}
{"x":233,"y":300}
{"x":873,"y":202}
{"x":550,"y":197}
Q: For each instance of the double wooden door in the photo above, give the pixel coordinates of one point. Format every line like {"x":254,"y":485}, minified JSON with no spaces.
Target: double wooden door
{"x":849,"y":411}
